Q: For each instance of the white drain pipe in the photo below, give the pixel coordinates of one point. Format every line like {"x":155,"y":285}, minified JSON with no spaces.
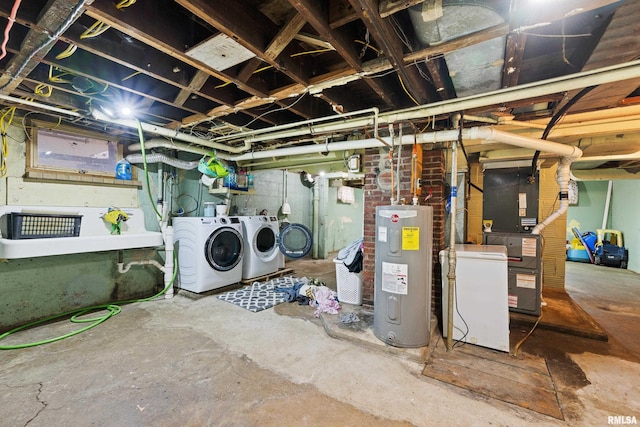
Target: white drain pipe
{"x":487,"y":134}
{"x":171,"y":133}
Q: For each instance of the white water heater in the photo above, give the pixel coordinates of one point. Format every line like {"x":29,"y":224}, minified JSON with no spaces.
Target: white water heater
{"x":402,"y":298}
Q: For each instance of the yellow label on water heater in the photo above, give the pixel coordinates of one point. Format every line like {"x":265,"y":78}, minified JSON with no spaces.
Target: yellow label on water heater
{"x":410,"y":238}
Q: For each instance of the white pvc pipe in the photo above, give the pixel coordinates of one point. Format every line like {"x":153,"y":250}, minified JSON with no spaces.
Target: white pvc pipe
{"x":563,"y":175}
{"x":41,"y":106}
{"x":171,"y":133}
{"x":125,"y":268}
{"x":252,"y":134}
{"x":605,"y":216}
{"x":614,"y":73}
{"x":168,"y":261}
{"x":628,"y":70}
{"x":485,"y":133}
{"x":612,"y":157}
{"x":492,"y":134}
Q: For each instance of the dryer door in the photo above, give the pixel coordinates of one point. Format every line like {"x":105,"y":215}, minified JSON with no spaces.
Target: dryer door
{"x":223,"y":249}
{"x":264,"y":242}
{"x":295,"y":241}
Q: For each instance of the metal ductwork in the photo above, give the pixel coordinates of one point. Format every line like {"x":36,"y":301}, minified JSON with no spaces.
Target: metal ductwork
{"x":474,"y":69}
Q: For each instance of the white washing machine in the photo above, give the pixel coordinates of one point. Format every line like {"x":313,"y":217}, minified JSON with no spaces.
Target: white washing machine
{"x":210,"y":252}
{"x":267,"y":245}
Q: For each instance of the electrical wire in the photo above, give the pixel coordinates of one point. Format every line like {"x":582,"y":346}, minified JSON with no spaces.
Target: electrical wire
{"x":70,"y":50}
{"x":368,"y":46}
{"x":277,"y":109}
{"x":77,"y":10}
{"x":406,"y":91}
{"x":517,"y":346}
{"x":43,"y":90}
{"x":309,"y":52}
{"x":94,"y":30}
{"x":4,"y":149}
{"x":10,"y":20}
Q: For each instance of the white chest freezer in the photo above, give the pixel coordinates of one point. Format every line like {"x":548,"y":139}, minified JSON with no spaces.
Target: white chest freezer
{"x":481,"y":306}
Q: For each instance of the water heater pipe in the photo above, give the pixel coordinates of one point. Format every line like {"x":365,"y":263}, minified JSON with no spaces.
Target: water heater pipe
{"x":398,"y":165}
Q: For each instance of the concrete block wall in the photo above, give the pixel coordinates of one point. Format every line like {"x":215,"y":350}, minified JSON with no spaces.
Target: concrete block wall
{"x":433,"y":179}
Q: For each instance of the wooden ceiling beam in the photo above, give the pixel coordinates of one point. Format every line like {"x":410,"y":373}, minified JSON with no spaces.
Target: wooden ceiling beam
{"x":513,"y":56}
{"x":248,"y":27}
{"x":150,"y":32}
{"x":148,"y":25}
{"x":277,"y":45}
{"x":317,"y":14}
{"x":194,"y":86}
{"x":392,"y":47}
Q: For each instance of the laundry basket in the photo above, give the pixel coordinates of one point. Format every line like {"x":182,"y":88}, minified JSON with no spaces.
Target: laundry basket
{"x":349,"y":285}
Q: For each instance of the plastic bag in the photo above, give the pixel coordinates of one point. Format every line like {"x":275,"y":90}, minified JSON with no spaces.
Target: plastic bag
{"x":212,"y":167}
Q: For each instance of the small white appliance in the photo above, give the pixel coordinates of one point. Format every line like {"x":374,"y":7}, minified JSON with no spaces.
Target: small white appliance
{"x":481,"y":310}
{"x":266,"y":245}
{"x":210,"y":252}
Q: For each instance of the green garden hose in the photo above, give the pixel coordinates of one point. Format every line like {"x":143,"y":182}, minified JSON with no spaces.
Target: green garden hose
{"x":112,"y":308}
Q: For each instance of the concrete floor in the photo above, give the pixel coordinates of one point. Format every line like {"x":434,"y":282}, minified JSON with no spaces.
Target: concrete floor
{"x":204,"y":362}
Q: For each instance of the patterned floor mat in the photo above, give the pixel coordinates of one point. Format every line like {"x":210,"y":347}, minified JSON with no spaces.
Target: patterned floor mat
{"x":260,"y":296}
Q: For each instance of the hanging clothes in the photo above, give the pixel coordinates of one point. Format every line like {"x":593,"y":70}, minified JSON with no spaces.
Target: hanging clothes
{"x":352,"y":255}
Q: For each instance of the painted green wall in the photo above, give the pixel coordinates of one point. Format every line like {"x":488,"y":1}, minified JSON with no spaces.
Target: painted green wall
{"x":625,"y":205}
{"x":345,"y":221}
{"x":623,"y":213}
{"x":588,"y":213}
{"x":39,"y":287}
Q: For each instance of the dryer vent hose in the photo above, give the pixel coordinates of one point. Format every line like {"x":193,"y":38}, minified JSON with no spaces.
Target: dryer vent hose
{"x":157,"y":158}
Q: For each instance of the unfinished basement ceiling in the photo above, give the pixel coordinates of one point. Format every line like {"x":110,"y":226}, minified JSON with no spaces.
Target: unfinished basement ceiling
{"x":216,"y":68}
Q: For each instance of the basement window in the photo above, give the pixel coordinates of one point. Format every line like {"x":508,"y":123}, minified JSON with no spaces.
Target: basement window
{"x":60,"y":153}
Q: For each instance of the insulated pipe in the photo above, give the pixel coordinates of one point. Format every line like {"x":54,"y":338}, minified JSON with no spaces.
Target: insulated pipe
{"x":164,"y":143}
{"x":251,"y":135}
{"x":161,"y":158}
{"x":171,"y":133}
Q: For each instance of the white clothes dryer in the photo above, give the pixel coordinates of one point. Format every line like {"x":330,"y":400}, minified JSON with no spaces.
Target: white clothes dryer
{"x":267,"y":245}
{"x":210,"y":252}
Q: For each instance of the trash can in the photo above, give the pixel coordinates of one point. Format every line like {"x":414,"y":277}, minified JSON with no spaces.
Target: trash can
{"x":349,"y":285}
